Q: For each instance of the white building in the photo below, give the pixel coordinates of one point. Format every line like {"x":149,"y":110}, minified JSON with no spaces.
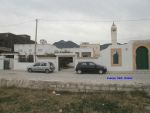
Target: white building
{"x":135,"y":55}
{"x":95,"y":47}
{"x":48,"y":52}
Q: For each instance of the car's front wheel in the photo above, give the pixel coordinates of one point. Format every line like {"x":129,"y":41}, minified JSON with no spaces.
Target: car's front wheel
{"x":79,"y":71}
{"x":46,"y":71}
{"x":100,"y":71}
{"x":29,"y":70}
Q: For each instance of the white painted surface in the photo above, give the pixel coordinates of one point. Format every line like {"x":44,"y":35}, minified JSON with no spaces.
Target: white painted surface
{"x":114,"y":34}
{"x":29,"y":49}
{"x":11,"y":65}
{"x":42,"y":49}
{"x":127,"y":60}
{"x":21,"y":66}
{"x":104,"y":59}
{"x":1,"y":62}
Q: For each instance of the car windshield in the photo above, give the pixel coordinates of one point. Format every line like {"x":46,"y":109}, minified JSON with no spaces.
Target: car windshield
{"x":37,"y":64}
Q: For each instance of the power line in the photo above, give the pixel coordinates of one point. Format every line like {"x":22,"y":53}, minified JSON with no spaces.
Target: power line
{"x":17,"y":24}
{"x":78,"y":20}
{"x":95,"y":20}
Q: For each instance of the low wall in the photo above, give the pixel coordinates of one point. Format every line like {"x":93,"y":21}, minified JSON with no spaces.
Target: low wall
{"x":71,"y":87}
{"x":21,"y":65}
{"x":2,"y":62}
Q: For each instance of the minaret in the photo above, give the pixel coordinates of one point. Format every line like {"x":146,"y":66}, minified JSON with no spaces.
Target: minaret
{"x":113,"y":34}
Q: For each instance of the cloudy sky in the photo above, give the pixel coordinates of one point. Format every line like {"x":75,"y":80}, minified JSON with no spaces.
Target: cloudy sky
{"x":77,"y":20}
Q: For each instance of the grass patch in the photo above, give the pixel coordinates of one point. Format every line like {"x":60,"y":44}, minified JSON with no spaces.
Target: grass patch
{"x":18,"y":100}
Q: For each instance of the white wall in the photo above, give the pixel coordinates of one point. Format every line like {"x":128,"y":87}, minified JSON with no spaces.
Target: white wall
{"x":1,"y":62}
{"x":20,"y":65}
{"x":104,"y":59}
{"x":127,"y":61}
{"x":29,"y":48}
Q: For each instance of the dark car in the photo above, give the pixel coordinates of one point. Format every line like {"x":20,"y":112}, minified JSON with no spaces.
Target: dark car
{"x":90,"y":67}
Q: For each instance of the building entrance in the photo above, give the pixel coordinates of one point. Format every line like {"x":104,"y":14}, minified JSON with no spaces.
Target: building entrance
{"x":142,"y":59}
{"x":65,"y":62}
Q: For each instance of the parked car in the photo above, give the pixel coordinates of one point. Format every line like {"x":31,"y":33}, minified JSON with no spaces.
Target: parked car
{"x":41,"y":67}
{"x":90,"y":67}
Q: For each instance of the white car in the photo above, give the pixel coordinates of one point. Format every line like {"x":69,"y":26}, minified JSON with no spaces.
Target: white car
{"x":41,"y":67}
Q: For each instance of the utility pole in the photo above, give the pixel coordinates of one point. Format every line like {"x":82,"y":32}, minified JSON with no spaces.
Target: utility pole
{"x":35,"y":47}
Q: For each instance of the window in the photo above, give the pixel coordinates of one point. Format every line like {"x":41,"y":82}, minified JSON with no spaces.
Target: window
{"x":30,"y":58}
{"x":24,"y":58}
{"x":83,"y":64}
{"x":91,"y":64}
{"x":86,"y":54}
{"x":37,"y":64}
{"x":43,"y":64}
{"x":116,"y":58}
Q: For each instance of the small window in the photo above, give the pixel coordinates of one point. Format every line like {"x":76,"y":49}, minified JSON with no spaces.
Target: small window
{"x":37,"y":64}
{"x":116,"y":58}
{"x":43,"y":64}
{"x":91,"y":64}
{"x":30,"y":58}
{"x":22,"y":58}
{"x":83,"y":64}
{"x":86,"y":54}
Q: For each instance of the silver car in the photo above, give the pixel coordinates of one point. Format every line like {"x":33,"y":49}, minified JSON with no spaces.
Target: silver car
{"x":41,"y":67}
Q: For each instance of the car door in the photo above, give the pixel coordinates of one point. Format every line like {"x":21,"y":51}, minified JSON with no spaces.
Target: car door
{"x":91,"y":67}
{"x":36,"y":66}
{"x":43,"y":66}
{"x":84,"y":67}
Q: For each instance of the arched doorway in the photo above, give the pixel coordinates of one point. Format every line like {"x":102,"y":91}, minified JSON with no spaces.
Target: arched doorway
{"x":142,"y":61}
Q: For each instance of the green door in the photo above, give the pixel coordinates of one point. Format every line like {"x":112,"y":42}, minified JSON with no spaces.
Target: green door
{"x":142,"y":58}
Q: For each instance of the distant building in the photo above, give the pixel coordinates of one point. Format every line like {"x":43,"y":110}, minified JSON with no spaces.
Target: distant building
{"x":95,"y":47}
{"x":7,"y":41}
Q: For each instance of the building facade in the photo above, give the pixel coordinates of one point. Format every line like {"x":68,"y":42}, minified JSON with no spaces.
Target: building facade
{"x":132,"y":56}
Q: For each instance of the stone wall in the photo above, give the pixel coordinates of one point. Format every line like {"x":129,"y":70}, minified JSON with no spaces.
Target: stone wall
{"x":71,"y":87}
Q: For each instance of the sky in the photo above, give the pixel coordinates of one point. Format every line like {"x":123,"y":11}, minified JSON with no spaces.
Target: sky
{"x":77,"y":20}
